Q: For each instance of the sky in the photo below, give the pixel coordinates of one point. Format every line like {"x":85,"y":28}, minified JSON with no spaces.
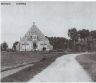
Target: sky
{"x":52,"y":18}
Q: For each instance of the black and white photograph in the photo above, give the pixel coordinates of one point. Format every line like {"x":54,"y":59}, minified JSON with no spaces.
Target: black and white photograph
{"x":48,"y":41}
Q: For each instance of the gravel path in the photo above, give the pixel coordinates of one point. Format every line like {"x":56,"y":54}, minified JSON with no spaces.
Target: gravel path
{"x":64,"y":69}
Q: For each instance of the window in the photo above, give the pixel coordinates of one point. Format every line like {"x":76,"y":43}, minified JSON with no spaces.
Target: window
{"x":34,"y":37}
{"x":41,"y":44}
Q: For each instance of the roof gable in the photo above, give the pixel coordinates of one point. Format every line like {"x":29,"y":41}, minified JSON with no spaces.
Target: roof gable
{"x":34,"y":31}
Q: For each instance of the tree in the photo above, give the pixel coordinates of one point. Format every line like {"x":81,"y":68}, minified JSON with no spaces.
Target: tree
{"x":73,"y":34}
{"x":14,"y":45}
{"x":93,"y":34}
{"x":1,"y":46}
{"x":4,"y":46}
{"x":84,"y":36}
{"x":58,"y":42}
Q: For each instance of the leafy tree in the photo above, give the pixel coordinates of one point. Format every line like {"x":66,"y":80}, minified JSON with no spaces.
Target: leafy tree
{"x":58,"y":42}
{"x":93,"y":34}
{"x":14,"y":45}
{"x":1,"y":46}
{"x":4,"y":46}
{"x":84,"y":34}
{"x":73,"y":34}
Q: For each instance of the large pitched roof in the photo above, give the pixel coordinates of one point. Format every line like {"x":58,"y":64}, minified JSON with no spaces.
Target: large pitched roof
{"x":34,"y":30}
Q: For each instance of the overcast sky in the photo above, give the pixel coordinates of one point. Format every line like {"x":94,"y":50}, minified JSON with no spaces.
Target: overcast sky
{"x":52,"y":18}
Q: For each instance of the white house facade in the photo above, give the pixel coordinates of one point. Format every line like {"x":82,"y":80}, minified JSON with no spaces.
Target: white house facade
{"x":34,"y":39}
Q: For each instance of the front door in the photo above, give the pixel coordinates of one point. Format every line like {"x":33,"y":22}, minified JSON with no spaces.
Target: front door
{"x":34,"y":45}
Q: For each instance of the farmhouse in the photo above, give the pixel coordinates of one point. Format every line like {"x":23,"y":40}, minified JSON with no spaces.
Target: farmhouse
{"x":34,"y":40}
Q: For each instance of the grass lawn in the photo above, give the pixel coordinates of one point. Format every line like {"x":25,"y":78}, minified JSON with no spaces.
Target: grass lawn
{"x":15,"y":58}
{"x":27,"y":73}
{"x":88,"y":61}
